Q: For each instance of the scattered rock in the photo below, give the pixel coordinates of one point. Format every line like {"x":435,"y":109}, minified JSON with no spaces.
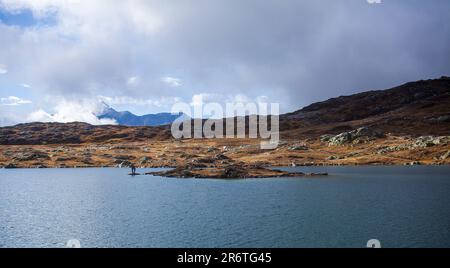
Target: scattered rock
{"x":445,"y":156}
{"x":298,"y":148}
{"x":41,"y":166}
{"x":390,"y":149}
{"x":10,"y":166}
{"x":220,"y":157}
{"x":419,"y":143}
{"x":429,"y":141}
{"x":326,"y":138}
{"x":333,"y":157}
{"x":122,"y":164}
{"x":414,"y":163}
{"x":87,"y":161}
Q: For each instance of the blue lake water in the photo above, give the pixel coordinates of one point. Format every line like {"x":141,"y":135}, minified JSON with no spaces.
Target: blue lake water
{"x":400,"y":206}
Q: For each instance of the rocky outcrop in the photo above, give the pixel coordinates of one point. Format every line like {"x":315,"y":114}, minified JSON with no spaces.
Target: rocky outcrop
{"x":326,"y":137}
{"x":360,"y":135}
{"x":235,"y":171}
{"x":31,"y":155}
{"x":298,"y":147}
{"x":418,"y":143}
{"x":429,"y":141}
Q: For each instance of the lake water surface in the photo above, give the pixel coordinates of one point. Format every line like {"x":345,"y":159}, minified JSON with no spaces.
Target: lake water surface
{"x":400,"y":206}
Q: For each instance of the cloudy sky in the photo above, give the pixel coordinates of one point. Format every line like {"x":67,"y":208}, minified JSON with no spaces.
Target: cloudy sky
{"x":60,"y":58}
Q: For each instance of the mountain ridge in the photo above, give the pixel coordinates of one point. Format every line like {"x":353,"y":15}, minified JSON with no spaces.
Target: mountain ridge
{"x":414,"y":109}
{"x":127,"y":118}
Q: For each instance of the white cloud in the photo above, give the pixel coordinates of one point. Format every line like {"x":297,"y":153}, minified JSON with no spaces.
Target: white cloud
{"x":125,"y":100}
{"x":67,"y":111}
{"x":203,"y":98}
{"x":13,"y":101}
{"x":26,"y":85}
{"x":134,"y":80}
{"x":171,"y":81}
{"x":3,"y":69}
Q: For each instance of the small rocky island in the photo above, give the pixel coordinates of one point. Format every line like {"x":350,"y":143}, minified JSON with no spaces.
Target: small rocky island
{"x":234,"y":171}
{"x":220,"y":166}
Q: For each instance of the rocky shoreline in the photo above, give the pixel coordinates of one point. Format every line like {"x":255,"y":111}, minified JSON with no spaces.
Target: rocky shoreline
{"x":239,"y":157}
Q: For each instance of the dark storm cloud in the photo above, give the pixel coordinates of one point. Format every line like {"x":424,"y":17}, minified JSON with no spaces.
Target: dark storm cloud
{"x":302,"y":51}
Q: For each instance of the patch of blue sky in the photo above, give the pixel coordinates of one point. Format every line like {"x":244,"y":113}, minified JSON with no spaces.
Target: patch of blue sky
{"x":25,"y":18}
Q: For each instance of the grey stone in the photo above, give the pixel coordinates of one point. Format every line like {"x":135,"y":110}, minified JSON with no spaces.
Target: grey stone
{"x":445,"y":156}
{"x":326,"y":138}
{"x":298,"y":148}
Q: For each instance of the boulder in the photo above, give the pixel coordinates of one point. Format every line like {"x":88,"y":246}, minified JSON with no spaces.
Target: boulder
{"x":298,"y":148}
{"x":341,"y":139}
{"x":367,"y":132}
{"x":414,"y":163}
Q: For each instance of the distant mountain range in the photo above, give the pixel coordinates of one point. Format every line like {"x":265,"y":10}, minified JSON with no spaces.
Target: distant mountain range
{"x":127,"y":118}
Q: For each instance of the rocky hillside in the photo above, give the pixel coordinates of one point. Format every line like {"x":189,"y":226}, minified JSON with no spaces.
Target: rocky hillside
{"x":76,"y":133}
{"x":416,"y":108}
{"x":413,"y":109}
